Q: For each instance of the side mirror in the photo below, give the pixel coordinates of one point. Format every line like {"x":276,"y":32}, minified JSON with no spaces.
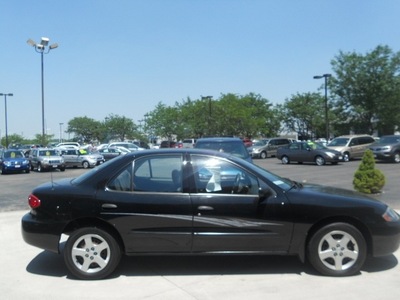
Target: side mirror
{"x":265,"y":193}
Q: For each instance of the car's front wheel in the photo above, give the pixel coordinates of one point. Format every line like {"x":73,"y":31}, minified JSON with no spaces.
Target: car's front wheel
{"x":396,"y":157}
{"x":39,"y":167}
{"x":263,"y":155}
{"x":91,"y":253}
{"x":319,"y":160}
{"x":285,"y":160}
{"x":346,"y":156}
{"x":337,"y":249}
{"x":85,"y":165}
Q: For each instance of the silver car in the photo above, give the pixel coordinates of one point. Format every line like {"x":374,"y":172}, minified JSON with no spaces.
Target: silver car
{"x":81,"y":158}
{"x":268,"y":147}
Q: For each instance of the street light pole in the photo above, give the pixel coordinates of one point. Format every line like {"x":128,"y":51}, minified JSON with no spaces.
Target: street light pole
{"x":326,"y":76}
{"x":42,"y":49}
{"x":5,"y":113}
{"x":61,"y":124}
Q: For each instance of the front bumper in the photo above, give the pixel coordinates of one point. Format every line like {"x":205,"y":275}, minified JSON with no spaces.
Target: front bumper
{"x":382,"y":155}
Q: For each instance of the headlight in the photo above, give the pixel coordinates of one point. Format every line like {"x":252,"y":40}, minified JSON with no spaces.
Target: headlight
{"x":386,"y":148}
{"x":330,"y":154}
{"x":390,"y":215}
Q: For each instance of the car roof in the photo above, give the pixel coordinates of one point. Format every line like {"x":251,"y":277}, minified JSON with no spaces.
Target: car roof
{"x":219,"y":139}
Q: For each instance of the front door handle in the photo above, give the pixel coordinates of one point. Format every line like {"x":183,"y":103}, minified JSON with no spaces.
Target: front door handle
{"x":204,"y":207}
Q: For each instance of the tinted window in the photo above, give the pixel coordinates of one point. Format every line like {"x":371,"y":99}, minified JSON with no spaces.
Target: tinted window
{"x":213,"y":175}
{"x":365,"y":140}
{"x":158,"y":174}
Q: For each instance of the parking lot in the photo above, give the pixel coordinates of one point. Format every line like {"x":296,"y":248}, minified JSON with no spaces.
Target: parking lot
{"x":28,"y":272}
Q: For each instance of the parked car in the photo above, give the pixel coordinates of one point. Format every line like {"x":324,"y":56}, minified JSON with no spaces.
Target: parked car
{"x":155,"y":202}
{"x":111,"y":152}
{"x":387,"y":148}
{"x":168,"y":144}
{"x":130,"y":146}
{"x":68,"y":145}
{"x":351,"y":146}
{"x":14,"y":161}
{"x":44,"y":159}
{"x":233,"y":146}
{"x":308,"y":152}
{"x":268,"y":147}
{"x":81,"y":158}
{"x":188,"y":143}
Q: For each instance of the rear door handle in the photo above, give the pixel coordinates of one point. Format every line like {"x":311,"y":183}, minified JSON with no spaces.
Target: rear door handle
{"x":109,"y":206}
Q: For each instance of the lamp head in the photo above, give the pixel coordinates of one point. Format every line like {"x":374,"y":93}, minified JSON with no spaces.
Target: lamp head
{"x":44,"y":42}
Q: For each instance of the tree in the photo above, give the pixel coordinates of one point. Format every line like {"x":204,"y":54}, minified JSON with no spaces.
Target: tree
{"x":368,"y":90}
{"x":304,"y":114}
{"x":120,"y":127}
{"x":164,"y":121}
{"x":85,"y":129}
{"x":367,"y":179}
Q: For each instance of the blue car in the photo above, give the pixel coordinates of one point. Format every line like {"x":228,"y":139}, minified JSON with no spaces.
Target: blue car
{"x":13,"y":161}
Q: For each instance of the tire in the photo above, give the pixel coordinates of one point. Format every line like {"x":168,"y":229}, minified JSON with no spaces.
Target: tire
{"x":285,"y":160}
{"x":91,"y":253}
{"x":263,"y":155}
{"x":32,"y":167}
{"x":346,"y":157}
{"x":62,"y":169}
{"x":39,"y":168}
{"x":85,"y":165}
{"x":27,"y":171}
{"x":319,"y":160}
{"x":396,"y":157}
{"x":338,"y":249}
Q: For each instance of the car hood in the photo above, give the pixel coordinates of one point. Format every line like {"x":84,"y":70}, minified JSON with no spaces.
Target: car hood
{"x":332,"y":196}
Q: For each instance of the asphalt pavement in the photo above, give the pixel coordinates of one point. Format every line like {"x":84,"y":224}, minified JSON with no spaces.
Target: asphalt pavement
{"x":27,"y":272}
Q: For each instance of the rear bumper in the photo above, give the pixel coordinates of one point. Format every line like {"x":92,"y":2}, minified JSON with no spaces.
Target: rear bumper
{"x":44,"y":235}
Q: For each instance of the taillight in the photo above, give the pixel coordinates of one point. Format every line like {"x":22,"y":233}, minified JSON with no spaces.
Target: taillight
{"x":34,"y":202}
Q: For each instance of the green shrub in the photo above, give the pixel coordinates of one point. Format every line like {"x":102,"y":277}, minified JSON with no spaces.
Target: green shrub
{"x":367,"y":179}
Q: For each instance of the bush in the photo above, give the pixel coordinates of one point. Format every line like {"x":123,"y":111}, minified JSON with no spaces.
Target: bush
{"x":367,"y":179}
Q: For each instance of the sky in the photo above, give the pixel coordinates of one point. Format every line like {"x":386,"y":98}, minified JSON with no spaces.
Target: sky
{"x":123,"y":57}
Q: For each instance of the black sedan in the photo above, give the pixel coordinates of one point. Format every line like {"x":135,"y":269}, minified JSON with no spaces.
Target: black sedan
{"x":308,"y":152}
{"x":191,"y":201}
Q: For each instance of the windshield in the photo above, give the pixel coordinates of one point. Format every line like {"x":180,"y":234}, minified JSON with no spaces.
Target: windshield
{"x":259,"y":143}
{"x":48,"y":153}
{"x":339,"y":142}
{"x":316,"y":146}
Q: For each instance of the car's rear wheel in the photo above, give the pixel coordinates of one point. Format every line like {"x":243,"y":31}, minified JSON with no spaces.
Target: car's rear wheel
{"x":285,"y":160}
{"x":91,"y":253}
{"x":319,"y":160}
{"x":337,"y":249}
